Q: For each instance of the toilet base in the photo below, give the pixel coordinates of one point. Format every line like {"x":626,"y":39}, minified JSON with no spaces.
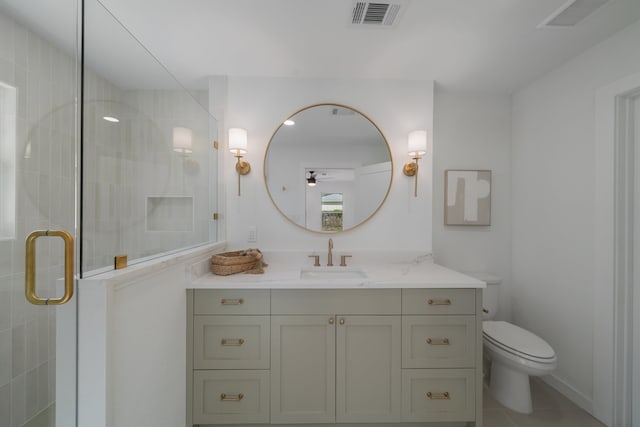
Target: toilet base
{"x":510,"y":388}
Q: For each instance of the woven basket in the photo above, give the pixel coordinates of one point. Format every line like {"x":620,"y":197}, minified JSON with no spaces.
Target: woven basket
{"x":228,"y":263}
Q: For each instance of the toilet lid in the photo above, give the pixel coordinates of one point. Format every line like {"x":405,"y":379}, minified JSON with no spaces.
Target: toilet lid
{"x":519,"y":340}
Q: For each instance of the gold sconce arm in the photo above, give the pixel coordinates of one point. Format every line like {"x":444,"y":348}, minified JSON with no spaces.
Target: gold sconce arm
{"x":411,"y":169}
{"x":238,"y":146}
{"x":242,"y":168}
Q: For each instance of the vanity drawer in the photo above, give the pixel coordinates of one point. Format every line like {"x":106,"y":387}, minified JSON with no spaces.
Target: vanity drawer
{"x":229,"y":301}
{"x":438,"y":301}
{"x":231,"y":342}
{"x":438,"y":341}
{"x":438,"y":395}
{"x":230,"y":397}
{"x":336,"y":301}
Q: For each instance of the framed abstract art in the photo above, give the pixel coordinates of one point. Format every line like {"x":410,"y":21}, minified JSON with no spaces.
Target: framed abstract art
{"x":467,"y":195}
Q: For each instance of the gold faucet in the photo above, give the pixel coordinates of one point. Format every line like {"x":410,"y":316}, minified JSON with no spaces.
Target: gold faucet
{"x":330,"y":256}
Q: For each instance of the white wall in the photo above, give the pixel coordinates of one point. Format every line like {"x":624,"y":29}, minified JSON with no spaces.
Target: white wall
{"x":554,"y":204}
{"x":473,"y":131}
{"x":260,"y":104}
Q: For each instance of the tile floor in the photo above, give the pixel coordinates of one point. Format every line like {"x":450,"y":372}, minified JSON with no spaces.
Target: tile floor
{"x":550,"y":408}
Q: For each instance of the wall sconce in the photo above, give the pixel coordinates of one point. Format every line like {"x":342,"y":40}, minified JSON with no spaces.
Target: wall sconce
{"x":182,"y":140}
{"x":238,"y":146}
{"x":417,"y":145}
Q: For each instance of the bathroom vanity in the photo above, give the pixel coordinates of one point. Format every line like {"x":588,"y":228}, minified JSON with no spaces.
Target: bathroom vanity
{"x":383,"y":344}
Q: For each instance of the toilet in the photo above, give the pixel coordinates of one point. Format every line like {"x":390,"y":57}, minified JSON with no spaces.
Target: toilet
{"x":512,"y":354}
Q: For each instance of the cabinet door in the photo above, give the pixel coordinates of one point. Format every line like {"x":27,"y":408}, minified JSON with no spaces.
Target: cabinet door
{"x":302,"y":369}
{"x":368,"y":367}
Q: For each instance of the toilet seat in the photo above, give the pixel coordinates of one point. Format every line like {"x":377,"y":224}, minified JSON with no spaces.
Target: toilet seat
{"x":518,"y":341}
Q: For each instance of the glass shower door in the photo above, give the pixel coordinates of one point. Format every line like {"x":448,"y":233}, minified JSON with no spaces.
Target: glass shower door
{"x":39,"y":42}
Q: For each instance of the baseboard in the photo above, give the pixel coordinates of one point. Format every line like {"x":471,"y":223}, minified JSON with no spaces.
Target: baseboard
{"x":569,"y":392}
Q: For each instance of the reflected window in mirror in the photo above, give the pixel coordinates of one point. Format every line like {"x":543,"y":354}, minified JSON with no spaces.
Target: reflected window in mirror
{"x":331,"y":207}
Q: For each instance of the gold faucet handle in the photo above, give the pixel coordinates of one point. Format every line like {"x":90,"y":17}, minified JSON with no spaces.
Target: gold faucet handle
{"x":317,"y":260}
{"x":343,"y":260}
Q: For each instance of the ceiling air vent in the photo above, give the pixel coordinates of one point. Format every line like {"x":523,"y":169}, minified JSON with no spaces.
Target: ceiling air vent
{"x":571,"y":13}
{"x":378,"y":13}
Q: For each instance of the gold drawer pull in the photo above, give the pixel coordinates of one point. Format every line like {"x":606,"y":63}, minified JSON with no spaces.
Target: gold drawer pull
{"x":438,"y":396}
{"x":232,"y":342}
{"x":231,"y":397}
{"x":234,"y":301}
{"x":439,"y":301}
{"x":441,"y":341}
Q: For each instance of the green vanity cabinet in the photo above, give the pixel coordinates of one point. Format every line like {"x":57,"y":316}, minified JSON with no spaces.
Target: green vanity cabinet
{"x":334,"y":356}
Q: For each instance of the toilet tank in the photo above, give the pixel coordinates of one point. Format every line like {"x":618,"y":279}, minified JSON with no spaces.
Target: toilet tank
{"x":490,"y":295}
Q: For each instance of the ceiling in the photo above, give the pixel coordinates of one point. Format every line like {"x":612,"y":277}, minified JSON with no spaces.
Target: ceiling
{"x":470,"y":45}
{"x":478,"y":45}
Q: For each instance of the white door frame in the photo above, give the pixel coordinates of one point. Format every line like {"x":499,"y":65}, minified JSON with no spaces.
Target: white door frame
{"x":613,"y":254}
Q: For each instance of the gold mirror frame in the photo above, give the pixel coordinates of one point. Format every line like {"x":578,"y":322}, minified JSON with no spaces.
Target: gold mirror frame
{"x":266,"y":158}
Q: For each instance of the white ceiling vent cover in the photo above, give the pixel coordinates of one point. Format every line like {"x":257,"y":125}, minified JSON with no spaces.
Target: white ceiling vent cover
{"x":377,"y":13}
{"x":571,"y":13}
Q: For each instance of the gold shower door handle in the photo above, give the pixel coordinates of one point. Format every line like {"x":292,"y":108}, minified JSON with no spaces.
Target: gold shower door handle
{"x":30,"y":267}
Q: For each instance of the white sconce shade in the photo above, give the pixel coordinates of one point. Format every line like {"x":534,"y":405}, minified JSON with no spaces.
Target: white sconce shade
{"x":417,"y":143}
{"x":238,"y":140}
{"x":238,"y":146}
{"x":182,"y":140}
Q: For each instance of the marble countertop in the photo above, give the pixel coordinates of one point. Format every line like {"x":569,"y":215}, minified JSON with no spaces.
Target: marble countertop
{"x":372,"y":270}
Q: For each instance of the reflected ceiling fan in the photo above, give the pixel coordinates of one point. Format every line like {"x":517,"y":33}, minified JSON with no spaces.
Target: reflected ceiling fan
{"x":311,"y":179}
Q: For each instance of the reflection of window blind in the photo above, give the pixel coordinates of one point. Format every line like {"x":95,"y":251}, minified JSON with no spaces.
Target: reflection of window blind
{"x":332,"y":208}
{"x":331,"y":202}
{"x":7,"y":162}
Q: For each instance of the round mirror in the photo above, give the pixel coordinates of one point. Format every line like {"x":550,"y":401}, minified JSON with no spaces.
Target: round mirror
{"x":328,"y":168}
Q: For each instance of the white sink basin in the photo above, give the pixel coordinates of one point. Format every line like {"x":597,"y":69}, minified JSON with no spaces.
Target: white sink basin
{"x":332,"y":273}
